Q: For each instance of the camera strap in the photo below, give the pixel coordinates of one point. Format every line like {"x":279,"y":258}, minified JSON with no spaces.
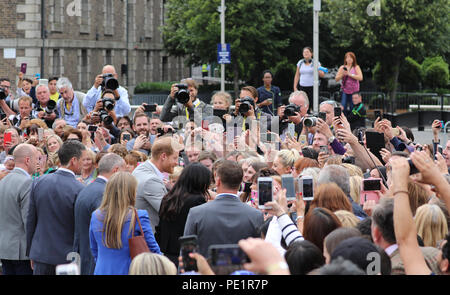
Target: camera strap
{"x":196,"y":104}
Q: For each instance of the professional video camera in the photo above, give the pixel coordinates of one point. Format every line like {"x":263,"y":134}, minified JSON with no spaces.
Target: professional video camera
{"x":105,"y":118}
{"x":2,"y":94}
{"x":182,"y":95}
{"x":291,"y":110}
{"x":51,"y":107}
{"x":246,"y":104}
{"x":109,"y":82}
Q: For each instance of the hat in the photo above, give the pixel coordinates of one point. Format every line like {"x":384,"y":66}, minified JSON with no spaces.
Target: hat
{"x":355,"y":249}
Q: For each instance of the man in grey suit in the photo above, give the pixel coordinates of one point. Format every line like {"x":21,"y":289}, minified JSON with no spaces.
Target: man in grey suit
{"x":14,"y":198}
{"x":88,"y":200}
{"x":151,"y":188}
{"x":226,"y":220}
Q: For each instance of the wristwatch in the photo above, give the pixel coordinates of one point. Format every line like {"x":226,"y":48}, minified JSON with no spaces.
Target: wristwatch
{"x":331,"y":139}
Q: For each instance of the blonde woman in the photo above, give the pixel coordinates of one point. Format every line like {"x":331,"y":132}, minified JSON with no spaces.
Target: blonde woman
{"x":347,"y":218}
{"x":88,"y":170}
{"x":355,"y":187}
{"x":284,"y":161}
{"x":112,"y":225}
{"x":431,"y":224}
{"x":152,"y":264}
{"x":53,"y":143}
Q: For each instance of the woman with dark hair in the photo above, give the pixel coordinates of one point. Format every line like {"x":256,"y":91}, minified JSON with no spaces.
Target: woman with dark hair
{"x":189,"y":191}
{"x":350,"y":74}
{"x":124,"y":122}
{"x":269,"y":96}
{"x":319,"y":222}
{"x":303,"y":257}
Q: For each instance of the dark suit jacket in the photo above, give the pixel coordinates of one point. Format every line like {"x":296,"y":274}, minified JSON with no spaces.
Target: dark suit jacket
{"x":88,"y":200}
{"x":169,"y":231}
{"x":226,"y":220}
{"x":50,"y":222}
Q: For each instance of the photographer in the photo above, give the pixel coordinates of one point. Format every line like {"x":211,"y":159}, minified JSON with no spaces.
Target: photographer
{"x":6,"y":98}
{"x":296,"y":112}
{"x":183,"y":101}
{"x":247,"y":109}
{"x":25,"y":112}
{"x":108,"y":80}
{"x":71,"y":107}
{"x":45,"y":108}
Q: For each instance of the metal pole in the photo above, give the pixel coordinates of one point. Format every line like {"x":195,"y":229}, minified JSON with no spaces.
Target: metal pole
{"x":43,"y":36}
{"x":317,"y":4}
{"x":222,"y":41}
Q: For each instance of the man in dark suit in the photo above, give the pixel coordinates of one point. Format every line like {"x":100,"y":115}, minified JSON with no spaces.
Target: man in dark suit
{"x":50,"y":222}
{"x":15,"y":192}
{"x":88,"y":200}
{"x":226,"y":220}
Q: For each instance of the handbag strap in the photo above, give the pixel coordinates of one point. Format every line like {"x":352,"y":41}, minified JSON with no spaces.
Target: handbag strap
{"x":139,"y":222}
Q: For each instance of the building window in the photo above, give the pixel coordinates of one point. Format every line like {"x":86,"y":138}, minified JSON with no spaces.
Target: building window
{"x":84,"y":69}
{"x":108,"y":57}
{"x":165,"y":69}
{"x":109,"y":17}
{"x":149,"y":19}
{"x":85,"y":19}
{"x":56,"y":9}
{"x":56,"y":62}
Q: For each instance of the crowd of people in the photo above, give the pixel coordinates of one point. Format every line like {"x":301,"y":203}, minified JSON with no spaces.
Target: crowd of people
{"x":82,"y":175}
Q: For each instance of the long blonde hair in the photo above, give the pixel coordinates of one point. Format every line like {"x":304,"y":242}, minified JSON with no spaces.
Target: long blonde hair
{"x":118,"y":200}
{"x":431,"y":224}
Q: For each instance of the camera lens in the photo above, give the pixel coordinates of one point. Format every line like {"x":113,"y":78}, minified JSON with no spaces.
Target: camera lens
{"x":310,"y":121}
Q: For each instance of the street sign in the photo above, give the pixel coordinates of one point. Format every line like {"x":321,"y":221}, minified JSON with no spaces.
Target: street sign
{"x":223,"y":53}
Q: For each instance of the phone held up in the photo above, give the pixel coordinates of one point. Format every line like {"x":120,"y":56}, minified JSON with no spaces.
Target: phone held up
{"x":265,"y":191}
{"x":226,"y":255}
{"x":306,"y":186}
{"x":188,"y":245}
{"x":288,"y":183}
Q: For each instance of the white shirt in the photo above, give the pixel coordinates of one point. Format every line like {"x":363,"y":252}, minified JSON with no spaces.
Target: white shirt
{"x":17,"y":168}
{"x":67,"y":170}
{"x":389,"y":250}
{"x":227,"y":194}
{"x":103,"y":177}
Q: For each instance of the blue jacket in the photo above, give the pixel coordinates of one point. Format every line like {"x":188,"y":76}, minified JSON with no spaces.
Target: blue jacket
{"x":117,"y":261}
{"x":89,"y":199}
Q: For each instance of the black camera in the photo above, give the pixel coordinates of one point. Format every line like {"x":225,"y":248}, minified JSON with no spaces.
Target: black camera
{"x":51,"y":107}
{"x":345,"y":68}
{"x":291,"y":110}
{"x":182,"y":95}
{"x":2,"y":94}
{"x":246,"y":105}
{"x":108,"y":104}
{"x":105,"y":118}
{"x":109,"y":82}
{"x":310,"y":121}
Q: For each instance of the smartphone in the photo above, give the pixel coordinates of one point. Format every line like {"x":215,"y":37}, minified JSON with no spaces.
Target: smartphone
{"x":265,"y":191}
{"x":303,"y":140}
{"x":126,"y":137}
{"x":188,"y":244}
{"x":7,"y":138}
{"x":205,"y":125}
{"x":323,"y":116}
{"x":371,"y":184}
{"x":395,"y":132}
{"x":378,"y":114}
{"x":375,"y":141}
{"x":226,"y":255}
{"x":307,"y":188}
{"x":291,"y":130}
{"x":287,"y":182}
{"x":40,"y":134}
{"x":92,"y":128}
{"x":324,"y":149}
{"x":37,"y":76}
{"x":150,"y":108}
{"x":412,"y":168}
{"x":23,"y":68}
{"x":337,"y":111}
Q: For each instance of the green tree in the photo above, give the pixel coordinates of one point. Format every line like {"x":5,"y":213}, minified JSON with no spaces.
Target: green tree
{"x":405,"y":28}
{"x":254,"y":29}
{"x":435,"y":72}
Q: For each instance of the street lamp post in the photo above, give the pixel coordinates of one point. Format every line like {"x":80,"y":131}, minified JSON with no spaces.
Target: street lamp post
{"x":222,"y":41}
{"x":317,"y":4}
